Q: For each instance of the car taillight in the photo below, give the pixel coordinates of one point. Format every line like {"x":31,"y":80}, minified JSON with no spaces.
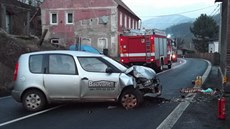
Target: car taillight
{"x":16,"y":72}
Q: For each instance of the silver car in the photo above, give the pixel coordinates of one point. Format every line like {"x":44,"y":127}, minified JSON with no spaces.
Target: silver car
{"x":57,"y":76}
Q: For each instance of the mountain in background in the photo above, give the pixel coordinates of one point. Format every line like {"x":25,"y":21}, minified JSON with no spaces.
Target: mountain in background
{"x":178,"y":26}
{"x":164,"y":22}
{"x":183,"y":32}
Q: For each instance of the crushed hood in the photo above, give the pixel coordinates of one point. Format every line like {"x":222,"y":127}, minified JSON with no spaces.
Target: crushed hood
{"x":141,"y":72}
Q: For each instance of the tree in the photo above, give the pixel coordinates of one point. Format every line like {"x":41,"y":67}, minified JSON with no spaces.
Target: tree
{"x":204,"y":30}
{"x":179,"y":43}
{"x":32,"y":2}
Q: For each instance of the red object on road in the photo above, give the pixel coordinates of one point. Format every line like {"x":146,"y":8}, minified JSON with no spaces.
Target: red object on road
{"x":221,"y":108}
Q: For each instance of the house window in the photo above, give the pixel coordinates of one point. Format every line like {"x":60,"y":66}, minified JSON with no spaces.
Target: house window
{"x":102,"y":44}
{"x":125,"y":24}
{"x":120,"y":19}
{"x":129,"y":22}
{"x":133,"y":24}
{"x":86,"y":41}
{"x":53,"y":18}
{"x":54,"y":41}
{"x":69,"y":18}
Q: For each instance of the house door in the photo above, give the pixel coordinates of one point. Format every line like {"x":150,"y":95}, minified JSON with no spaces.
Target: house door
{"x":102,"y":44}
{"x":7,"y":23}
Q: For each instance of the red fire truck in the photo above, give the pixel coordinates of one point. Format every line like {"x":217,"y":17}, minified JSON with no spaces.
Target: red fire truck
{"x":151,"y":49}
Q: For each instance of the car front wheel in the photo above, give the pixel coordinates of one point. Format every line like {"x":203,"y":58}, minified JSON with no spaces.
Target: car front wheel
{"x":33,"y":100}
{"x":131,"y":98}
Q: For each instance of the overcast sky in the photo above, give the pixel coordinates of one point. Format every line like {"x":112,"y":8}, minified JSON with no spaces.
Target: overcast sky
{"x":147,"y":9}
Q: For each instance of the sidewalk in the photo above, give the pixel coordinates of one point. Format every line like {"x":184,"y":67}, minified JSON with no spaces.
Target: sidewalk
{"x":202,"y":111}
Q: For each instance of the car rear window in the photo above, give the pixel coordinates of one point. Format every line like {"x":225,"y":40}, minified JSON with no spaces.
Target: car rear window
{"x":35,"y":63}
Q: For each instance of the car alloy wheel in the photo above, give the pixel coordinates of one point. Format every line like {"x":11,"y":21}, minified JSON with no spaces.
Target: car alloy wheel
{"x":131,"y":98}
{"x":34,"y":100}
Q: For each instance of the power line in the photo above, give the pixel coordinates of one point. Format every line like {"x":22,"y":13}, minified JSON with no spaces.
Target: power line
{"x":218,"y":11}
{"x":215,"y":10}
{"x":181,"y":12}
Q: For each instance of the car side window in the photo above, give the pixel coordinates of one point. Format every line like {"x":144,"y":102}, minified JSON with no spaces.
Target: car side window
{"x":61,"y":64}
{"x":35,"y":63}
{"x":92,"y":64}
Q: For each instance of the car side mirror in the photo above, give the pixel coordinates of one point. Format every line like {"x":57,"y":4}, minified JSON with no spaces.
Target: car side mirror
{"x":109,"y":70}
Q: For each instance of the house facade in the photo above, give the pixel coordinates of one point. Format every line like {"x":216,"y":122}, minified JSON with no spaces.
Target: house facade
{"x":213,"y":47}
{"x":97,"y":23}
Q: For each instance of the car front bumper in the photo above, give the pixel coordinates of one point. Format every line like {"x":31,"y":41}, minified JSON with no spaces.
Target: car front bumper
{"x":152,"y":91}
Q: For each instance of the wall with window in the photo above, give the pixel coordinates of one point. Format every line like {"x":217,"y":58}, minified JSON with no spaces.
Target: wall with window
{"x":127,"y":21}
{"x":100,"y":21}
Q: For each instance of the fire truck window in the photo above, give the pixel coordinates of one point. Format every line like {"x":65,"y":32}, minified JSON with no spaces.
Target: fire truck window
{"x":156,"y":40}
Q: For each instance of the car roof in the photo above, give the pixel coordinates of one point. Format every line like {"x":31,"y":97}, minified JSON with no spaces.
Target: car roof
{"x":74,"y":53}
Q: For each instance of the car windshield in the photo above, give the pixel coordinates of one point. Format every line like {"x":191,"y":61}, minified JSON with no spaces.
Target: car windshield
{"x":116,"y":64}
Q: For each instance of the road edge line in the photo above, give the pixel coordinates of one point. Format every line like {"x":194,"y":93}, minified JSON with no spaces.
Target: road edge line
{"x":28,"y":116}
{"x":5,"y":97}
{"x":172,"y":118}
{"x":164,"y":71}
{"x":207,"y":72}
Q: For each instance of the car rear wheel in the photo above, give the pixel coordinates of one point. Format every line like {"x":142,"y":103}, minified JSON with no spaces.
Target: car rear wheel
{"x":131,"y":98}
{"x":34,"y":100}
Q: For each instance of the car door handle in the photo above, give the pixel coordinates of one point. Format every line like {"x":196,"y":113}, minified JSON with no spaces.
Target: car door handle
{"x":84,"y":78}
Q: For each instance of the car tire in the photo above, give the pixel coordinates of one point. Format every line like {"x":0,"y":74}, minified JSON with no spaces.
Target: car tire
{"x":131,"y":98}
{"x":34,"y":100}
{"x":170,"y":65}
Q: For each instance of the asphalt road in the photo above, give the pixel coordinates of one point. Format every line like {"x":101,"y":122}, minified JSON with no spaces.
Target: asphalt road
{"x":107,"y":115}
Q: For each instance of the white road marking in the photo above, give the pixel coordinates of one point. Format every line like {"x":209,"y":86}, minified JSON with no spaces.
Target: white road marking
{"x":181,"y":64}
{"x":205,"y":75}
{"x":5,"y":97}
{"x":172,"y":118}
{"x":28,"y":116}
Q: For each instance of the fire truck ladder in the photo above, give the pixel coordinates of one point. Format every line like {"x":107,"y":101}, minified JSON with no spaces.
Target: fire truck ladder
{"x":148,"y":49}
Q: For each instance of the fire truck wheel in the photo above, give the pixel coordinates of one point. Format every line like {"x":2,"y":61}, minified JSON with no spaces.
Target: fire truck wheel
{"x":159,"y":69}
{"x":170,"y":65}
{"x":131,"y":98}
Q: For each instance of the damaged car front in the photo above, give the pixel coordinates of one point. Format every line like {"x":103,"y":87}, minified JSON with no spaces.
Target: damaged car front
{"x":146,"y":80}
{"x":138,"y":82}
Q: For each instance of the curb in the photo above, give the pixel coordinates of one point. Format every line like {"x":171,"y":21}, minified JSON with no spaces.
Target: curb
{"x":207,"y":72}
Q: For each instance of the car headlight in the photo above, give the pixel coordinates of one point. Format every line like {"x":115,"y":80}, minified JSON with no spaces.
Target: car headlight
{"x":147,"y":83}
